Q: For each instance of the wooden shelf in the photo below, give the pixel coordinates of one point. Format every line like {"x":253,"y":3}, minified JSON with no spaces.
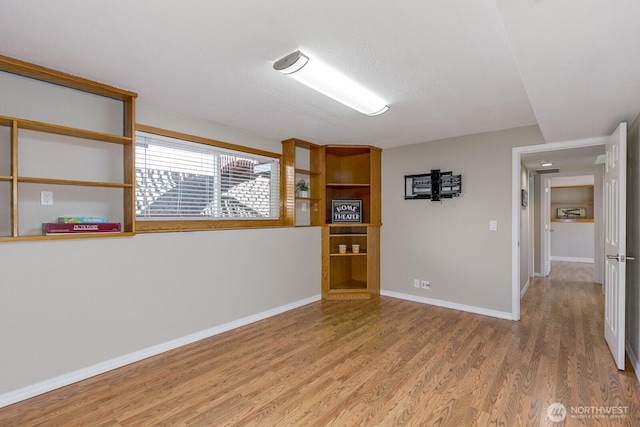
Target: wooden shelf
{"x":306,"y":172}
{"x":65,"y":131}
{"x":363,"y":224}
{"x":125,"y":211}
{"x":572,"y":220}
{"x":572,"y":186}
{"x":572,"y":203}
{"x":65,"y":236}
{"x":349,"y":235}
{"x":350,"y":185}
{"x":362,"y":252}
{"x":34,"y":180}
{"x":37,"y":72}
{"x":350,"y":285}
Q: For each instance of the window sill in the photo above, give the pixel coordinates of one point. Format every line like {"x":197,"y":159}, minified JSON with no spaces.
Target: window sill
{"x":204,"y":225}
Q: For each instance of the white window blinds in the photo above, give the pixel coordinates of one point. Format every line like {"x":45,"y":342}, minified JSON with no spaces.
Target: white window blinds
{"x":178,"y":179}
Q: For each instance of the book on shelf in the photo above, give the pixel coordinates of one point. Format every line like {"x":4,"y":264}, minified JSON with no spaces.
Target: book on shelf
{"x":49,"y":228}
{"x":82,"y":219}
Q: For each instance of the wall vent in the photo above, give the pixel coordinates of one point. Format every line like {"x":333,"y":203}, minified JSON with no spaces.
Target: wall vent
{"x":545,"y":171}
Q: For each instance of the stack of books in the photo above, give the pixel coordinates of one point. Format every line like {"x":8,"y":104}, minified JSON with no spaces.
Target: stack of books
{"x":80,"y":225}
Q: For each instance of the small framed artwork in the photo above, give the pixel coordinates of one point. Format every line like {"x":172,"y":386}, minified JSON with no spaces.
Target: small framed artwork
{"x":571,"y":213}
{"x":346,"y":211}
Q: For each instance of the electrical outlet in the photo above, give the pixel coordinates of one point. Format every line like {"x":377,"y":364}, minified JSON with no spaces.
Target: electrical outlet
{"x":425,"y":284}
{"x":46,"y":198}
{"x":416,"y":283}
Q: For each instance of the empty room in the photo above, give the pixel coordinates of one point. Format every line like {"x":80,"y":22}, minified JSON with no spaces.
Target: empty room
{"x":319,"y":213}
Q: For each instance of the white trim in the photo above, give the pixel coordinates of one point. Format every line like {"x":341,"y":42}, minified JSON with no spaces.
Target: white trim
{"x":572,"y":259}
{"x":108,"y":365}
{"x":634,"y":360}
{"x":524,"y":289}
{"x":447,"y":304}
{"x":537,"y":274}
{"x":516,"y":164}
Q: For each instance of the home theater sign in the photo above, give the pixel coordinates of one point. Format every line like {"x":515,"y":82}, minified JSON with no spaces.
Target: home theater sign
{"x":346,"y":211}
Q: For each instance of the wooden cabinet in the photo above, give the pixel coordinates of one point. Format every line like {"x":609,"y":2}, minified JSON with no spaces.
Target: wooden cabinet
{"x":572,"y":203}
{"x":351,"y":172}
{"x":89,"y":171}
{"x":350,"y":275}
{"x":336,"y":172}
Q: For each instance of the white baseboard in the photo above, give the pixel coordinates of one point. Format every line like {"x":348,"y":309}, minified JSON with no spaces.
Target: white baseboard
{"x":634,"y":361}
{"x":572,"y":259}
{"x":524,"y":289}
{"x":447,"y":304}
{"x":108,"y":365}
{"x":537,"y":274}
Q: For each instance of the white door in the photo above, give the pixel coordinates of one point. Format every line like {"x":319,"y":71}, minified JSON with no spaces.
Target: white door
{"x":546,"y":220}
{"x":615,"y":200}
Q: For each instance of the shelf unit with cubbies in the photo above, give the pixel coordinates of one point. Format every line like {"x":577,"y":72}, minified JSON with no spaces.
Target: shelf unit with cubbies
{"x":88,"y":168}
{"x":577,"y":196}
{"x":351,"y":172}
{"x":338,"y":172}
{"x":298,"y":164}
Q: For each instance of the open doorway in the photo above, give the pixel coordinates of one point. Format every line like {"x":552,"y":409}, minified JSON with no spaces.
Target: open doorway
{"x":531,"y":242}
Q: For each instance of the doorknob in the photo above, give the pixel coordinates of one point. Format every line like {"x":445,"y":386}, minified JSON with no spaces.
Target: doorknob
{"x":621,"y":258}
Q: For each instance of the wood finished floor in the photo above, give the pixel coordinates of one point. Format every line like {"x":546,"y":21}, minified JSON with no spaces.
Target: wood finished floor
{"x":369,"y":363}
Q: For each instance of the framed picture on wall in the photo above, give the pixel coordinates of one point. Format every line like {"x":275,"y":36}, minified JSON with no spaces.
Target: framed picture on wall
{"x":571,"y":213}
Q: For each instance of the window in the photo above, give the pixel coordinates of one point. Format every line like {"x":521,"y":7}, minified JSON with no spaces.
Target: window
{"x":189,"y":180}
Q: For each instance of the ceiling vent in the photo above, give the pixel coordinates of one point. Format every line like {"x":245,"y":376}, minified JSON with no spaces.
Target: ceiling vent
{"x":545,"y":171}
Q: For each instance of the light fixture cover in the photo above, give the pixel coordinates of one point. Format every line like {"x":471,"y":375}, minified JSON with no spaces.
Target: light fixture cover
{"x":329,"y":82}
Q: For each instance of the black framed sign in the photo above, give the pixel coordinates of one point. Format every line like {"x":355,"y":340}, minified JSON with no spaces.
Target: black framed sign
{"x":346,"y":211}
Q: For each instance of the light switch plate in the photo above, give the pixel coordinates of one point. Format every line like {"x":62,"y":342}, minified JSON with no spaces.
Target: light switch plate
{"x":46,"y":198}
{"x":493,"y":225}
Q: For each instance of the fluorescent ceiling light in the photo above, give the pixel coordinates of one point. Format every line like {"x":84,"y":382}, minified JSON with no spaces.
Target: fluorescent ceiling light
{"x":544,"y":164}
{"x":329,"y":82}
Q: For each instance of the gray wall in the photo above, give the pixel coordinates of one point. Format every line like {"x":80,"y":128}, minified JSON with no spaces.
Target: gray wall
{"x":449,"y":243}
{"x":69,"y":305}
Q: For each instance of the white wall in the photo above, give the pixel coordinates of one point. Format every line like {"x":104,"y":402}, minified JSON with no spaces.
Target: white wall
{"x":449,"y":242}
{"x":69,"y":305}
{"x":572,"y":241}
{"x":537,"y":225}
{"x":524,"y":231}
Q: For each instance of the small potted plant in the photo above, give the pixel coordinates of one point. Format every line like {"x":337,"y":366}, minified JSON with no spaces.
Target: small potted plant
{"x":302,"y":188}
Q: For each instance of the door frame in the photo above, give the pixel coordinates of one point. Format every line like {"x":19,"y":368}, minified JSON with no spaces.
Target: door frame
{"x":516,"y":170}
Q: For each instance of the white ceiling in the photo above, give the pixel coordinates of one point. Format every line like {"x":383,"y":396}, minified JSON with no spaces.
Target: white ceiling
{"x":446,"y":67}
{"x":573,"y":161}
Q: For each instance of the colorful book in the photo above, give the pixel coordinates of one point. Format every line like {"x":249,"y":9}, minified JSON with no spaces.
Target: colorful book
{"x":70,"y":228}
{"x":82,"y":219}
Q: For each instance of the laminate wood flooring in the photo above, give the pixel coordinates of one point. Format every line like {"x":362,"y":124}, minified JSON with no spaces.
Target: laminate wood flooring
{"x":381,"y":362}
